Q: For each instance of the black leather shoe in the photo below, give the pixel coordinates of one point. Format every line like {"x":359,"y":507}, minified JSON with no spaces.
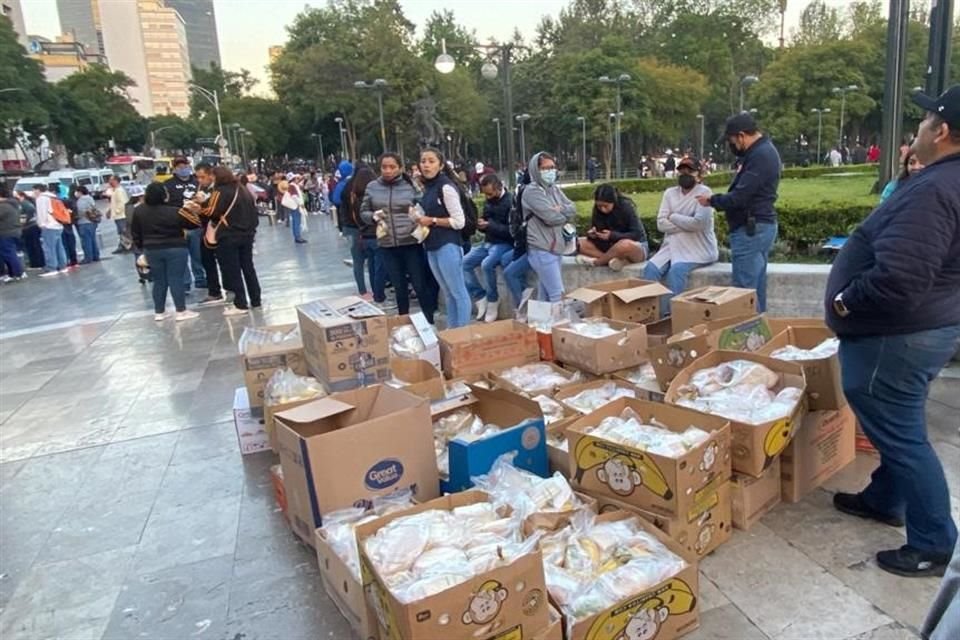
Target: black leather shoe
{"x":913,"y":563}
{"x":853,"y":504}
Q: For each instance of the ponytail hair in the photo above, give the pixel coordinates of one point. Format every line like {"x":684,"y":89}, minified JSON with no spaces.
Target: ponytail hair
{"x":444,"y":167}
{"x":606,"y":193}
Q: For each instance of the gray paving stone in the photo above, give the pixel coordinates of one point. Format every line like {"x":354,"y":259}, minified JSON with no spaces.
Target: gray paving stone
{"x":726,"y":623}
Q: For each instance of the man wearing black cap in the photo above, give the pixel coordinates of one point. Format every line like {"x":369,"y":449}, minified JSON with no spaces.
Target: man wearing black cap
{"x":182,"y":186}
{"x":748,"y":204}
{"x":893,"y":299}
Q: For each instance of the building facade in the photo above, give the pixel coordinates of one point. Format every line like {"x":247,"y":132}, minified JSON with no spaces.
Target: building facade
{"x":81,"y":20}
{"x":200,"y":20}
{"x":13,"y":10}
{"x":62,"y":57}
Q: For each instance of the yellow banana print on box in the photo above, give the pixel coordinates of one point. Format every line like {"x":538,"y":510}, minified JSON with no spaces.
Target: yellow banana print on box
{"x":776,"y":440}
{"x":642,"y":617}
{"x":620,"y":469}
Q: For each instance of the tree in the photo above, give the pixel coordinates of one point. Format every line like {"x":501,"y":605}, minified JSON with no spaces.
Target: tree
{"x":172,"y":132}
{"x":93,"y":108}
{"x":233,"y":84}
{"x":25,"y":106}
{"x":266,"y":120}
{"x":819,"y":24}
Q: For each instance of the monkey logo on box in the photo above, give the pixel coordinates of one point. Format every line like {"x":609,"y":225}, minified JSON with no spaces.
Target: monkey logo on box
{"x":621,"y":470}
{"x":643,"y":618}
{"x":485,"y":604}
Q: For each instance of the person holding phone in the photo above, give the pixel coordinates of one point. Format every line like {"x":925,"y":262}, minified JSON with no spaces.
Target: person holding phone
{"x":615,"y":237}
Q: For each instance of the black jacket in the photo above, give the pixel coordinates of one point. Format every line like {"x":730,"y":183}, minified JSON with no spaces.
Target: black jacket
{"x":238,"y":220}
{"x":899,"y":271}
{"x":622,"y":223}
{"x":179,"y":190}
{"x":9,"y":218}
{"x":160,"y":226}
{"x":497,"y":214}
{"x":754,"y":187}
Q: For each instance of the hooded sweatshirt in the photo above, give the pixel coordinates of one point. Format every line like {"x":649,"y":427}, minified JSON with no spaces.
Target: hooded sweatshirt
{"x":547,"y":209}
{"x":346,"y":170}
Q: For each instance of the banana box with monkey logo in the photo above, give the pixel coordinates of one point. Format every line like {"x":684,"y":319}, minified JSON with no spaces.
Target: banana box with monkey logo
{"x":666,"y":485}
{"x":508,"y":602}
{"x":754,"y":446}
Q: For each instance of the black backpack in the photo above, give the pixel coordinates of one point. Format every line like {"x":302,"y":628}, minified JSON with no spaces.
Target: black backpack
{"x":469,"y":215}
{"x":518,"y":224}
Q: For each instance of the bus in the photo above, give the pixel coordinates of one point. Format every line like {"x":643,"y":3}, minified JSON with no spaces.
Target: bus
{"x":128,"y":167}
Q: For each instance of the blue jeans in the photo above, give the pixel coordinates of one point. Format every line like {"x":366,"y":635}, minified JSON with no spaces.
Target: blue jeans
{"x":9,"y":257}
{"x":547,"y":267}
{"x":886,"y":380}
{"x":121,"y":231}
{"x":296,"y":223}
{"x":365,"y":250}
{"x":515,"y":272}
{"x":167,"y":267}
{"x":194,"y":240}
{"x":488,"y":257}
{"x":54,"y":255}
{"x":674,"y":275}
{"x":446,"y":263}
{"x":749,"y":259}
{"x":88,"y":241}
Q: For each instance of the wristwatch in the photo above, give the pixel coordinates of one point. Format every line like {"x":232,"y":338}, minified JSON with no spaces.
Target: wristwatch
{"x":433,"y":222}
{"x":839,"y":307}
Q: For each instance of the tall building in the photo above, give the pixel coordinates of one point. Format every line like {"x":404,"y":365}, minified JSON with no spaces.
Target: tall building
{"x":81,"y":19}
{"x":147,"y":40}
{"x":61,"y":57}
{"x":200,"y":19}
{"x":13,"y":10}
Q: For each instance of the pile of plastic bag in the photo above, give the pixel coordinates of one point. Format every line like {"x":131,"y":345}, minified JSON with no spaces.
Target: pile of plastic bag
{"x":429,"y":552}
{"x":405,"y":342}
{"x":628,"y":429}
{"x":530,"y":378}
{"x":285,"y":386}
{"x":591,"y":566}
{"x":339,"y":527}
{"x":642,"y":376}
{"x":459,"y":425}
{"x":253,"y":336}
{"x":825,"y":349}
{"x":552,"y":410}
{"x":593,"y":328}
{"x":589,"y":400}
{"x":739,"y":390}
{"x":524,"y":492}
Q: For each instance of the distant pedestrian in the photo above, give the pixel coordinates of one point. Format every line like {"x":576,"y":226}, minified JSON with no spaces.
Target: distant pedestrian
{"x":834,"y":157}
{"x":30,"y":232}
{"x":593,"y":168}
{"x":669,"y":165}
{"x":51,"y":231}
{"x":118,"y":212}
{"x":549,"y":212}
{"x":910,"y":165}
{"x":9,"y":234}
{"x":873,"y":154}
{"x":88,"y":219}
{"x":291,"y":203}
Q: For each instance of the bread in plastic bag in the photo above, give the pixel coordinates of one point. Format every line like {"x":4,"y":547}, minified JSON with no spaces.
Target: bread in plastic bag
{"x":530,"y":378}
{"x":628,"y":429}
{"x":642,"y":375}
{"x":552,"y":410}
{"x":406,"y":343}
{"x":825,"y":349}
{"x":590,"y":400}
{"x":592,"y":328}
{"x":259,"y":336}
{"x":286,"y":386}
{"x":524,"y":492}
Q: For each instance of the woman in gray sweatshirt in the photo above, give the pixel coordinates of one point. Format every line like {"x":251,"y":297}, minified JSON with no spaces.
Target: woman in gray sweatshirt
{"x":547,"y":210}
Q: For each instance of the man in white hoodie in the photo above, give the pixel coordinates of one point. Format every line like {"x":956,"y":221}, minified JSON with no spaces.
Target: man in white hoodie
{"x":51,"y":233}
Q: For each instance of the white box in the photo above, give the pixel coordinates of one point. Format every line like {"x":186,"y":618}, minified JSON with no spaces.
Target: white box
{"x":251,"y":432}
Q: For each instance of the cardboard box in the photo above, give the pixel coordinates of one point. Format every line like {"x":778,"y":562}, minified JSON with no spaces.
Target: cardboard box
{"x":628,"y":299}
{"x":426,"y":332}
{"x":345,"y":590}
{"x":343,"y":450}
{"x":548,"y":388}
{"x":708,"y":304}
{"x":554,"y":630}
{"x":646,"y":390}
{"x":523,"y":432}
{"x":659,"y":331}
{"x":824,"y":383}
{"x":601,"y":355}
{"x":568,"y":392}
{"x":558,"y":457}
{"x":701,"y":530}
{"x":517,"y":593}
{"x":279,"y":493}
{"x":251,"y":434}
{"x":261,"y":359}
{"x":781,"y":324}
{"x":824,"y":444}
{"x":749,"y":333}
{"x":752,"y":497}
{"x":669,"y":486}
{"x":418,"y":377}
{"x":345,"y":342}
{"x":755,"y":446}
{"x":666,"y":611}
{"x":480,"y":348}
{"x":270,"y":412}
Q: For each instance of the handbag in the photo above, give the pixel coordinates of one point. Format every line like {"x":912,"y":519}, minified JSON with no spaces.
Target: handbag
{"x":210,"y":233}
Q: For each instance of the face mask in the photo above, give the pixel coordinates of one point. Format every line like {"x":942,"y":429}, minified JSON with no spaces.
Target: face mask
{"x":686,"y":182}
{"x":182,"y":172}
{"x":549,"y":176}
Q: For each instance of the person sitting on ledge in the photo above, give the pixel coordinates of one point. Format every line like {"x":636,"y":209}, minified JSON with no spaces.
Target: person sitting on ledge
{"x":616,"y":236}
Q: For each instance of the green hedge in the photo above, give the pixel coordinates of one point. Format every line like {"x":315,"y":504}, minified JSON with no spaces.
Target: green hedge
{"x":802,"y":227}
{"x":719,"y":179}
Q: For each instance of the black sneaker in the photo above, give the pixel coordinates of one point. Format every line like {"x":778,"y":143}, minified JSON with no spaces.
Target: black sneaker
{"x":913,"y":563}
{"x":853,"y":504}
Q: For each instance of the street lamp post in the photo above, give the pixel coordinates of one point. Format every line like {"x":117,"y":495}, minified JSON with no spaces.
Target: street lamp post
{"x":154,"y":132}
{"x":343,"y":140}
{"x":236,"y":137}
{"x":499,"y":146}
{"x":702,"y":119}
{"x":819,"y":113}
{"x":583,"y":156}
{"x":243,"y":146}
{"x":843,"y":91}
{"x":746,"y":81}
{"x":523,"y":117}
{"x":619,"y":80}
{"x":214,"y":100}
{"x":378,"y":86}
{"x":319,"y":138}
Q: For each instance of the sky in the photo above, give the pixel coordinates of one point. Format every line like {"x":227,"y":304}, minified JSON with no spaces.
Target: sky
{"x":246,"y":28}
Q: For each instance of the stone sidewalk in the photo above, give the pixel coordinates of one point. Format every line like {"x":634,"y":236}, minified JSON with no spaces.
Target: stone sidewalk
{"x":126,"y":510}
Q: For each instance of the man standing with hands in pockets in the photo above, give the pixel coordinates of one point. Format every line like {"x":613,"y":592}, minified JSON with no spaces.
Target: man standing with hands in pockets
{"x":748,"y":204}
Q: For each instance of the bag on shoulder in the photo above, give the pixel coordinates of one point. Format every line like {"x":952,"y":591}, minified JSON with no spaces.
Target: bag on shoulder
{"x":60,"y":212}
{"x":470,"y":215}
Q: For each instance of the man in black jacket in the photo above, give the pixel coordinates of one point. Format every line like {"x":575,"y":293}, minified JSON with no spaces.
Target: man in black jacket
{"x":893,"y":298}
{"x":748,"y":204}
{"x":9,"y":233}
{"x":495,"y":224}
{"x":181,"y":187}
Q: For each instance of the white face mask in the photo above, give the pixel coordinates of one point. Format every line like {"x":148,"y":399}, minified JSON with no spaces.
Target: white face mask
{"x":549,"y":176}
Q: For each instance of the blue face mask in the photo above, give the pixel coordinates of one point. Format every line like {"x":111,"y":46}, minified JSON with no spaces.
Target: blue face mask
{"x":549,"y":176}
{"x":183,"y":172}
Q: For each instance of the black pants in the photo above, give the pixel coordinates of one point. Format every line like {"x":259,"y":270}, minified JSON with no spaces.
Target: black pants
{"x":409,"y":261}
{"x":208,"y":257}
{"x":70,"y":244}
{"x":33,"y":247}
{"x":236,"y":260}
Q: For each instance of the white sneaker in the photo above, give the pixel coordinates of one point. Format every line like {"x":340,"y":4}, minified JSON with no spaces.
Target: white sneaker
{"x":49,"y":274}
{"x":617,"y":264}
{"x":23,"y":276}
{"x":481,"y":308}
{"x":63,"y":271}
{"x":234,"y":311}
{"x":186,"y":314}
{"x":493,"y":312}
{"x":160,"y":317}
{"x":6,"y":279}
{"x":586,"y":261}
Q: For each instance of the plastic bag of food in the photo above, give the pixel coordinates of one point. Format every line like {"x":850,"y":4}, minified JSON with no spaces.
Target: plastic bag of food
{"x":405,"y":342}
{"x":825,"y":349}
{"x":286,"y":386}
{"x":731,"y":374}
{"x":552,"y":410}
{"x":629,"y":430}
{"x":590,"y":400}
{"x":258,"y":336}
{"x":530,"y":378}
{"x":642,"y":375}
{"x":524,"y":492}
{"x":593,"y":328}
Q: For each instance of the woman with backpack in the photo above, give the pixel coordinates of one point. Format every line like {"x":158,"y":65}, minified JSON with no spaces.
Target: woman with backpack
{"x":88,"y":218}
{"x":444,"y":220}
{"x":387,"y":203}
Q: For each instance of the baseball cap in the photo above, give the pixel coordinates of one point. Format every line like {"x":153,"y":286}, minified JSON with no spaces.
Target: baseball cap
{"x":180,"y":160}
{"x":946,"y":105}
{"x":690,"y":162}
{"x":740,"y":123}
